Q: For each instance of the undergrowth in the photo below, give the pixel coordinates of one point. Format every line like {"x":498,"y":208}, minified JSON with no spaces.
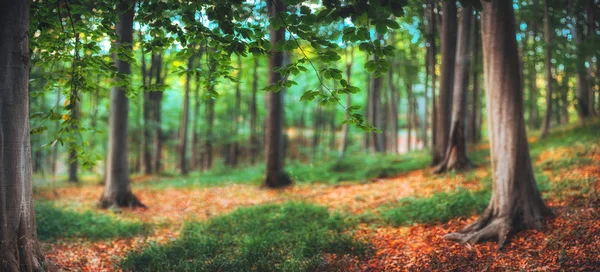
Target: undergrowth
{"x":286,"y":237}
{"x":58,"y":223}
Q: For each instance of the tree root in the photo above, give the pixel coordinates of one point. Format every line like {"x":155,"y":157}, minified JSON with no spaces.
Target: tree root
{"x":458,"y":163}
{"x":120,"y":200}
{"x":278,"y":181}
{"x":486,"y":228}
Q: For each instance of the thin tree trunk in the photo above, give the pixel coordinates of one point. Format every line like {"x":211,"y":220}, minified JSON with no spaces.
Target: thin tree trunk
{"x":147,"y":114}
{"x":446,"y":81}
{"x":432,"y":60}
{"x":346,"y":127}
{"x":196,"y":158}
{"x":582,"y":86}
{"x":456,"y":154}
{"x":275,"y":175}
{"x":316,"y":131}
{"x":254,"y":144}
{"x":475,"y":129}
{"x":565,"y":98}
{"x":183,"y":132}
{"x":549,"y":81}
{"x":516,"y":202}
{"x":533,"y":91}
{"x":75,"y":116}
{"x":393,"y":112}
{"x":375,"y":113}
{"x":593,"y":44}
{"x":234,"y":148}
{"x":409,"y":119}
{"x":21,"y":250}
{"x":156,"y":98}
{"x":117,"y":190}
{"x":210,"y":120}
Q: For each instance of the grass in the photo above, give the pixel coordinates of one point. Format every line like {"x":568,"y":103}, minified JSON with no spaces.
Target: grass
{"x":286,"y":237}
{"x":356,"y":168}
{"x":58,"y":223}
{"x":440,"y":207}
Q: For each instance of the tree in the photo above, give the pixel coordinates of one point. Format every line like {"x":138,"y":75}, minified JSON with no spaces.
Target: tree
{"x":345,"y":128}
{"x":548,"y":64}
{"x":516,"y":202}
{"x":582,"y":85}
{"x":21,"y":250}
{"x":275,"y":175}
{"x":474,"y":134}
{"x":456,"y":152}
{"x":431,"y":54}
{"x":183,"y":132}
{"x":254,"y":144}
{"x":117,"y":190}
{"x":444,"y":105}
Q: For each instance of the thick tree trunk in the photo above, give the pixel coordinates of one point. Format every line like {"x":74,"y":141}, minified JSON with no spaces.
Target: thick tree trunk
{"x":117,"y":190}
{"x":549,"y":81}
{"x":21,"y":250}
{"x":183,"y":132}
{"x":516,"y":202}
{"x":444,"y":111}
{"x":346,"y":127}
{"x":456,"y":152}
{"x":275,"y":175}
{"x":254,"y":144}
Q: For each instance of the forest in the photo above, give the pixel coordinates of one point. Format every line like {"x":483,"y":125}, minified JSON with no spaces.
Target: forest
{"x":299,"y":135}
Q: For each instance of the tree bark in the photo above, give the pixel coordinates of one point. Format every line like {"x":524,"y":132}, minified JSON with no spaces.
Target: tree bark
{"x":549,"y":81}
{"x":377,"y":140}
{"x":446,"y":81}
{"x":147,"y":113}
{"x":254,"y":144}
{"x":432,"y":61}
{"x":21,"y":250}
{"x":156,"y":98}
{"x":275,"y":175}
{"x":456,"y":153}
{"x":593,"y":44}
{"x":346,"y":127}
{"x":196,"y":156}
{"x":475,"y":117}
{"x":75,"y":116}
{"x":117,"y":190}
{"x":183,"y":132}
{"x":533,"y":91}
{"x":582,"y":86}
{"x":393,"y":112}
{"x":409,"y":117}
{"x":516,"y":202}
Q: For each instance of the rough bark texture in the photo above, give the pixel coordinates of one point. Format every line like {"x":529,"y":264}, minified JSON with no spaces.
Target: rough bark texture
{"x":20,"y":249}
{"x":275,"y":175}
{"x":117,"y":190}
{"x":456,"y":153}
{"x":516,"y":202}
{"x":548,"y":65}
{"x":444,"y":111}
{"x":185,"y":112}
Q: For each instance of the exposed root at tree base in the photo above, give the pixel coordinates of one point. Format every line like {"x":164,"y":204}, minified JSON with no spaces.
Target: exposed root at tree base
{"x":494,"y":229}
{"x":120,"y":200}
{"x":457,"y":164}
{"x":278,"y":181}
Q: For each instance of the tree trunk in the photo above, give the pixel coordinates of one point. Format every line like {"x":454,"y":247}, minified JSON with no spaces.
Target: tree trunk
{"x":446,"y":81}
{"x":234,"y":148}
{"x":210,"y":120}
{"x":533,"y":91}
{"x":21,"y":250}
{"x":75,"y":116}
{"x":183,"y":132}
{"x":275,"y":175}
{"x":156,"y":98}
{"x":549,"y":81}
{"x":393,"y":113}
{"x":516,"y":202}
{"x":147,"y":114}
{"x":432,"y":61}
{"x":475,"y":117}
{"x":409,"y":117}
{"x":196,"y":158}
{"x":117,"y":190}
{"x":582,"y":86}
{"x":592,"y":44}
{"x":254,"y":144}
{"x":565,"y":98}
{"x":456,"y":153}
{"x":346,"y":127}
{"x":377,"y":140}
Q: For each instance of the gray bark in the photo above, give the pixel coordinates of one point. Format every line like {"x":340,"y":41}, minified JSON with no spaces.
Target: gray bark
{"x":117,"y":190}
{"x":21,"y":250}
{"x":516,"y":202}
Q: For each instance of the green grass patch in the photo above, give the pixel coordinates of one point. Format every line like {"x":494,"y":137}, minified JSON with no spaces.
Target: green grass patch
{"x":286,"y":237}
{"x":440,"y":207}
{"x":55,"y":222}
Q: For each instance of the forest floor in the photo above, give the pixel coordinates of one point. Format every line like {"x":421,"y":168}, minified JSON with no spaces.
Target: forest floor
{"x":567,"y":170}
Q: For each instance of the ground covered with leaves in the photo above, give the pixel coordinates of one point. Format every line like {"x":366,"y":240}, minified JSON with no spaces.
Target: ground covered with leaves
{"x":388,"y":218}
